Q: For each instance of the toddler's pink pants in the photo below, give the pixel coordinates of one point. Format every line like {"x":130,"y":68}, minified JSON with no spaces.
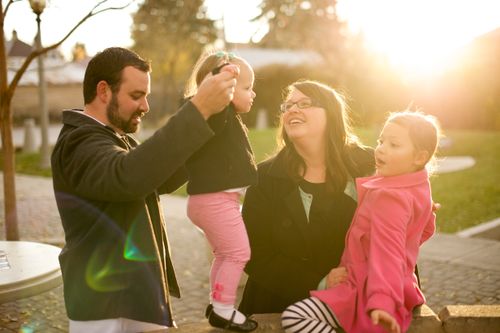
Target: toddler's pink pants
{"x":218,"y":215}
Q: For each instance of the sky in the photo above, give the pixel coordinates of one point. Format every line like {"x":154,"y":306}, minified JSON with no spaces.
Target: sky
{"x":418,"y":34}
{"x":111,"y":28}
{"x":421,"y":36}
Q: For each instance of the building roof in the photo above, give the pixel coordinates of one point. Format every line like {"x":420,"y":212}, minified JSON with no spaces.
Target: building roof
{"x":56,"y":69}
{"x":17,"y":48}
{"x":260,"y":57}
{"x":57,"y":72}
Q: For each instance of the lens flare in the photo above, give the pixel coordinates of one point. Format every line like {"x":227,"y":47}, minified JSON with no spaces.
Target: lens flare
{"x":115,"y":258}
{"x":104,"y":269}
{"x":137,"y":251}
{"x":26,"y":329}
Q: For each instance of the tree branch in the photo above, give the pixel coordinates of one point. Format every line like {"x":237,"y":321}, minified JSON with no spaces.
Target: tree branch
{"x":8,"y":5}
{"x":36,"y":53}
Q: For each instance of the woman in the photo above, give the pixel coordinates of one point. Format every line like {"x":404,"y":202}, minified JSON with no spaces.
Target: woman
{"x":298,"y":214}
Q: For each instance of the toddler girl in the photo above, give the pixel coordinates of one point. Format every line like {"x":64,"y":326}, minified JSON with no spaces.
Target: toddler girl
{"x":218,"y":174}
{"x":394,"y":217}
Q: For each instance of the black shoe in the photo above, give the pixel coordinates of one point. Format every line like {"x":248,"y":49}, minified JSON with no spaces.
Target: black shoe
{"x":209,"y":310}
{"x":217,"y":321}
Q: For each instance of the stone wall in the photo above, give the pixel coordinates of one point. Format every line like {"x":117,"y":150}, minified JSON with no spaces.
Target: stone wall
{"x":25,"y":102}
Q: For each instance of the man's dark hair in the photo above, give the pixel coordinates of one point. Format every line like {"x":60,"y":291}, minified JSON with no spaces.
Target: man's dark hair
{"x":108,"y":65}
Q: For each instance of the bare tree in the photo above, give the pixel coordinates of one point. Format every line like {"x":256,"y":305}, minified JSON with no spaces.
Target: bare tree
{"x":7,"y":90}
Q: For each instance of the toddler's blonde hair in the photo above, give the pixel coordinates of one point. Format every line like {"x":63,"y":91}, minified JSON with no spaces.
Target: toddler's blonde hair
{"x":424,"y":131}
{"x":207,"y":62}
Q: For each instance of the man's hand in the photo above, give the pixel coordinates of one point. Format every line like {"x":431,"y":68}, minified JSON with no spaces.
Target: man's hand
{"x":382,"y":318}
{"x":216,"y":91}
{"x":336,"y":276}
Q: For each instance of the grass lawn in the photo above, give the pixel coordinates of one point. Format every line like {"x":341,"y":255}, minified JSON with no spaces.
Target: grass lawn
{"x":467,"y":197}
{"x":28,"y":164}
{"x":470,"y":196}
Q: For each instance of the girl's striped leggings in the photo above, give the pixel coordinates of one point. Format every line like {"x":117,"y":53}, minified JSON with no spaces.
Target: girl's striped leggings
{"x":310,"y":316}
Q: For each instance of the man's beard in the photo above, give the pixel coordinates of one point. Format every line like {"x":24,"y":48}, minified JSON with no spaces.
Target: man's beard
{"x":114,"y":117}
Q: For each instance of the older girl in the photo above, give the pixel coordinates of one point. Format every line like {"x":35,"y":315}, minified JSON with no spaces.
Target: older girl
{"x":394,"y":217}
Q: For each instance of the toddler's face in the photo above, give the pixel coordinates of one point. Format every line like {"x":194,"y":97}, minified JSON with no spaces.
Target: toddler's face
{"x":395,"y":154}
{"x":243,"y":92}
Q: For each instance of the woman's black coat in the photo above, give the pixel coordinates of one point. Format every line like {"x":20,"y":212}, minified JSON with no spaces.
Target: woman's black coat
{"x":289,"y":255}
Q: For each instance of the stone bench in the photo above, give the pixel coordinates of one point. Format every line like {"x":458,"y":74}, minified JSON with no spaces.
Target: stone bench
{"x":451,"y":319}
{"x":470,"y":318}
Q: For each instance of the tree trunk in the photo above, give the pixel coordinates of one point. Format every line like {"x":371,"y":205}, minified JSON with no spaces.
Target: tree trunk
{"x":9,"y":185}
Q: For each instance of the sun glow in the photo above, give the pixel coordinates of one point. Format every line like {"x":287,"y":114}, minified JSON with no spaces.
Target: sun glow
{"x":420,"y":38}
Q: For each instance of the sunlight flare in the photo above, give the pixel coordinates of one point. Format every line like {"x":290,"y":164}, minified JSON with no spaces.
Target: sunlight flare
{"x":420,"y":38}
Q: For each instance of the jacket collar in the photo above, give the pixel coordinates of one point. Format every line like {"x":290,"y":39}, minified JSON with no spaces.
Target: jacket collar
{"x":277,"y":168}
{"x":290,"y":192}
{"x":76,"y":118}
{"x":405,"y":180}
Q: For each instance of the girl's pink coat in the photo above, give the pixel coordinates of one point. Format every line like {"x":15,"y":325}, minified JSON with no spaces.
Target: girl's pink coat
{"x":394,"y":217}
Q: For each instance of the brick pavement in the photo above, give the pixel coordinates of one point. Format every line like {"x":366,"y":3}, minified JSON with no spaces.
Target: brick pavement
{"x":446,"y":284}
{"x":443,"y":282}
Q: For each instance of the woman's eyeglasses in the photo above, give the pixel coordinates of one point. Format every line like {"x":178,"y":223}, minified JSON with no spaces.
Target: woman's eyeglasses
{"x":301,"y":104}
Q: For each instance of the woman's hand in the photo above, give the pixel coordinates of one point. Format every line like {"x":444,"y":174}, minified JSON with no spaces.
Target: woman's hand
{"x":384,"y":319}
{"x":336,"y":276}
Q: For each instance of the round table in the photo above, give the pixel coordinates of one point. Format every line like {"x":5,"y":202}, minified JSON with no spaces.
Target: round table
{"x":27,"y":269}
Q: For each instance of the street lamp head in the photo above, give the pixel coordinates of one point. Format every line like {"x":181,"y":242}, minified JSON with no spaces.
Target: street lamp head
{"x":38,"y":6}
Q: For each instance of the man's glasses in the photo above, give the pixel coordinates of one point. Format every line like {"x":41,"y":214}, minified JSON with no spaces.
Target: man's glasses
{"x":301,"y":104}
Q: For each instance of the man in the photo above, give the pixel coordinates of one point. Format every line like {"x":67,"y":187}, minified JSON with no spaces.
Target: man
{"x":116,"y":265}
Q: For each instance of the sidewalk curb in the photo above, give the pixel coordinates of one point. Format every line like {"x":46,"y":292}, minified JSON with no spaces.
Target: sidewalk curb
{"x":470,"y":252}
{"x":489,"y":230}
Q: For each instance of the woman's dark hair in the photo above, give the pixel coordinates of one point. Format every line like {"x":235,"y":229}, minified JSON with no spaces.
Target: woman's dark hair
{"x":340,"y":140}
{"x":108,"y":65}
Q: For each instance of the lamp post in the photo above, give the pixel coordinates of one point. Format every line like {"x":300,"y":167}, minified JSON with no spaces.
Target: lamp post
{"x":38,"y":6}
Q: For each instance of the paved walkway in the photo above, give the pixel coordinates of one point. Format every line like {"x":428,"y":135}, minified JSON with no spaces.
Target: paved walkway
{"x":454,"y":270}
